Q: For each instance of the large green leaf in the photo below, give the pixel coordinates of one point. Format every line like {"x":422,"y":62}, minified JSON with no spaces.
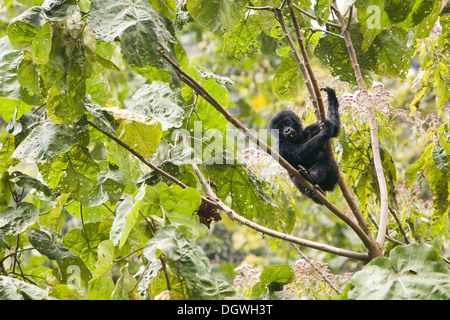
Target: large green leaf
{"x":47,"y":141}
{"x":12,"y":95}
{"x":217,"y":15}
{"x":138,"y":131}
{"x":160,"y":103}
{"x":207,"y":117}
{"x":173,"y":203}
{"x":141,"y":29}
{"x":247,"y":195}
{"x":273,"y":279}
{"x":24,"y":181}
{"x":413,"y":272}
{"x":322,"y":9}
{"x":31,"y":31}
{"x":392,"y":52}
{"x":14,"y":289}
{"x":373,"y":19}
{"x":124,"y":285}
{"x":126,"y":216}
{"x":85,"y":241}
{"x":243,"y":41}
{"x":7,"y":146}
{"x":188,"y":261}
{"x":16,"y":220}
{"x":109,"y":187}
{"x":72,"y":172}
{"x":101,"y":285}
{"x":288,"y":80}
{"x":67,"y":261}
{"x":64,"y":75}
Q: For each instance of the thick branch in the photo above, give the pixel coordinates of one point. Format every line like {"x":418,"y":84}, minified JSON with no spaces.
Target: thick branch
{"x":373,"y":128}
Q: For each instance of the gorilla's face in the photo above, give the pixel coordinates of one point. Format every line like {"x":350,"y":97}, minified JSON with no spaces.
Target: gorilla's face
{"x":288,"y":124}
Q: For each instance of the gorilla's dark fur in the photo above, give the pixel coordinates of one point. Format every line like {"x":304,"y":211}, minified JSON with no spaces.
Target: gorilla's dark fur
{"x":305,"y":148}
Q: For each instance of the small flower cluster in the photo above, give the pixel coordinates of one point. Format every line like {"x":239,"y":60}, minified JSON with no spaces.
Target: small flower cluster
{"x":246,"y":278}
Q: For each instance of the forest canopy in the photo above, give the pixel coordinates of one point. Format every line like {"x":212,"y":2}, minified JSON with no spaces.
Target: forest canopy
{"x":136,"y":160}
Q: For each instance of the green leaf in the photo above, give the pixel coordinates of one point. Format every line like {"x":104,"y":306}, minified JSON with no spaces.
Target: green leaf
{"x":124,"y":285}
{"x":73,"y":172}
{"x":67,"y":261}
{"x":16,"y":220}
{"x":208,"y":116}
{"x":160,"y":103}
{"x":419,"y":166}
{"x":393,"y":53}
{"x":7,"y":146}
{"x":413,"y":272}
{"x":332,"y":53}
{"x":28,"y":76}
{"x":101,"y":285}
{"x":288,"y":80}
{"x":23,"y":29}
{"x":247,"y":195}
{"x":84,"y":242}
{"x":273,"y":279}
{"x":64,"y":75}
{"x":14,"y":289}
{"x":141,"y":29}
{"x":24,"y":181}
{"x":187,"y":260}
{"x":138,"y":131}
{"x":126,"y":216}
{"x":56,"y":10}
{"x":217,"y":15}
{"x":425,"y":27}
{"x":322,"y":9}
{"x":166,"y":7}
{"x":6,"y":188}
{"x":12,"y":96}
{"x":109,"y":187}
{"x":48,"y":140}
{"x":243,"y":41}
{"x":419,"y":11}
{"x":105,"y":259}
{"x":67,"y":292}
{"x":173,"y":203}
{"x":42,"y":242}
{"x":372,"y":18}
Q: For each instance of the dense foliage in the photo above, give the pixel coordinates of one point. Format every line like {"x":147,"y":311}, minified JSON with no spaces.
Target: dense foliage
{"x":124,"y":176}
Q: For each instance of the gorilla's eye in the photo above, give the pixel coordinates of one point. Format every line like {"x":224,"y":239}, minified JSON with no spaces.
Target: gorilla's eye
{"x":286,"y":123}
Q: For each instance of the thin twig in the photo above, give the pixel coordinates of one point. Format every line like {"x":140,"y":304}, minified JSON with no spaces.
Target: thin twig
{"x":325,"y":31}
{"x":306,"y":13}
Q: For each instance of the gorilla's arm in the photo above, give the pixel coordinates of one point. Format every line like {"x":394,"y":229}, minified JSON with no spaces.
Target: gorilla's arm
{"x":333,"y":116}
{"x":333,"y":112}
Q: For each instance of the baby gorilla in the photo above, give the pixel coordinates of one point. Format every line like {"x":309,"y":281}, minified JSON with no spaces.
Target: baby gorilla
{"x":305,"y":149}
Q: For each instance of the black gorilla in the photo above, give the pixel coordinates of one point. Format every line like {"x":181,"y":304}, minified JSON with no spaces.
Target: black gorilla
{"x":305,"y":149}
